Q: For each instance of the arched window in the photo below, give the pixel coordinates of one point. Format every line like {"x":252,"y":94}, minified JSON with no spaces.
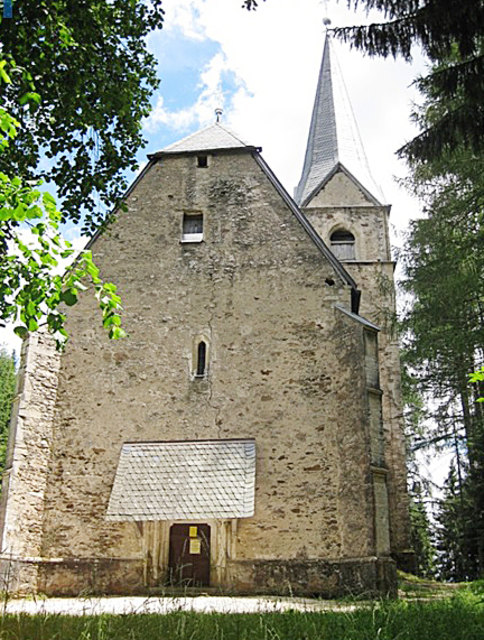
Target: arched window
{"x":201,"y":359}
{"x":343,"y":244}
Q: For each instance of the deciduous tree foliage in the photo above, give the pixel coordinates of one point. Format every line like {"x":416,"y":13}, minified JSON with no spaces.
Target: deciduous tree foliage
{"x":75,"y":82}
{"x":88,"y":64}
{"x":32,"y":248}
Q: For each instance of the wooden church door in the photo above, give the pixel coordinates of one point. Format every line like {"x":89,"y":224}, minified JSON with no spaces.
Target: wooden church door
{"x":189,"y":557}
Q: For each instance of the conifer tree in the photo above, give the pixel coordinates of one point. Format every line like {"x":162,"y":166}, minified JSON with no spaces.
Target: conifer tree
{"x":457,"y":532}
{"x":421,"y":534}
{"x":420,"y":489}
{"x":444,"y":327}
{"x":447,"y":30}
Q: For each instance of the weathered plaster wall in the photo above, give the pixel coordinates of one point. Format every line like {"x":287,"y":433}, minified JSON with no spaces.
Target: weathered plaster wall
{"x":378,"y":305}
{"x":286,"y":368}
{"x":369,"y":225}
{"x":373,"y":272}
{"x":339,"y":191}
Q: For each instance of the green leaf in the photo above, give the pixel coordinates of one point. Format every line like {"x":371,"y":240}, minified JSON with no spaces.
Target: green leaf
{"x":31,"y":96}
{"x":3,"y":74}
{"x":21,"y":332}
{"x":69,"y":297}
{"x":112,"y":320}
{"x":31,"y":308}
{"x":116,"y":333}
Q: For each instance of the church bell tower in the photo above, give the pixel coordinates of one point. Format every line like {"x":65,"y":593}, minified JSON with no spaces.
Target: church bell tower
{"x":340,"y":198}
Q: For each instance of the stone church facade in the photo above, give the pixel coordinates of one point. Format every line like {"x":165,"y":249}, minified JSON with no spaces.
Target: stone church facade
{"x":247,"y":436}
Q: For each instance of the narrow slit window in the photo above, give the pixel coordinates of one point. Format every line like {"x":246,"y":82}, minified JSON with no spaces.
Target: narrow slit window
{"x":192,"y":228}
{"x":202,"y":161}
{"x":201,"y":359}
{"x":343,"y":244}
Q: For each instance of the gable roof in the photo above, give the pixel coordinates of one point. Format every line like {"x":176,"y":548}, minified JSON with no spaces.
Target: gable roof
{"x":334,"y":138}
{"x":212,"y":138}
{"x":340,"y":168}
{"x":219,"y":135}
{"x":304,"y":222}
{"x":184,"y":481}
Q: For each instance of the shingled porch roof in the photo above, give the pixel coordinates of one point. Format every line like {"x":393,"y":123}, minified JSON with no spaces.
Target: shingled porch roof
{"x":197,"y":480}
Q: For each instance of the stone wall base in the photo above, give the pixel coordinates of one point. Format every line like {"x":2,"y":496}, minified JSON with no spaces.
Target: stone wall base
{"x":72,"y":576}
{"x":367,"y":577}
{"x":18,"y":576}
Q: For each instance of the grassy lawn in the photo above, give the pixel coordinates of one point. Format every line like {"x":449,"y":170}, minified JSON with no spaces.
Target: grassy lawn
{"x":458,"y":617}
{"x":450,"y":619}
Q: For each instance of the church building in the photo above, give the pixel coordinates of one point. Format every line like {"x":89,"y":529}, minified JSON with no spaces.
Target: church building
{"x":246,"y":437}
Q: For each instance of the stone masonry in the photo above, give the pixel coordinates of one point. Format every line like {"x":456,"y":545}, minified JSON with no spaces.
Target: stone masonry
{"x":269,"y":362}
{"x":287,"y":368}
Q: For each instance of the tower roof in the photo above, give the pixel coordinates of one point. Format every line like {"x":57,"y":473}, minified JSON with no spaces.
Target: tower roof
{"x":214,"y":137}
{"x":334,"y":140}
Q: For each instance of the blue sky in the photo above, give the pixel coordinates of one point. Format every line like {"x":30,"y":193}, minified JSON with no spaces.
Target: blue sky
{"x":182,"y":61}
{"x":262,"y":68}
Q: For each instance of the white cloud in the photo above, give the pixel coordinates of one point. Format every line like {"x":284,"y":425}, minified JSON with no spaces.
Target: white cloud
{"x":275,"y":54}
{"x":184,"y":15}
{"x":9,"y":341}
{"x":201,"y":113}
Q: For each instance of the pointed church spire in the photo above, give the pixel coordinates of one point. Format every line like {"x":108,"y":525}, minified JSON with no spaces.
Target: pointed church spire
{"x":334,"y":140}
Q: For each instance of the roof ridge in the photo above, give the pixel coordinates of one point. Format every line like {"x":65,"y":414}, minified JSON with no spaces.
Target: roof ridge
{"x":307,"y":226}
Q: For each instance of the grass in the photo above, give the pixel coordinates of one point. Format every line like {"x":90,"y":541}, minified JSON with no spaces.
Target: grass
{"x":458,"y":618}
{"x":410,"y":586}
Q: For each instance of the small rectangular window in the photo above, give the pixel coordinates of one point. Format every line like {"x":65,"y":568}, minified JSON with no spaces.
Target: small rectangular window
{"x":202,"y":161}
{"x":192,"y":227}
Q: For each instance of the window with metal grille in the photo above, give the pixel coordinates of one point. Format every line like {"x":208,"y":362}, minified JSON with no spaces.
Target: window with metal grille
{"x":343,"y":244}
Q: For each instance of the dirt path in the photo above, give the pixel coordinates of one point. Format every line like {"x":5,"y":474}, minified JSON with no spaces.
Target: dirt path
{"x":200,"y":604}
